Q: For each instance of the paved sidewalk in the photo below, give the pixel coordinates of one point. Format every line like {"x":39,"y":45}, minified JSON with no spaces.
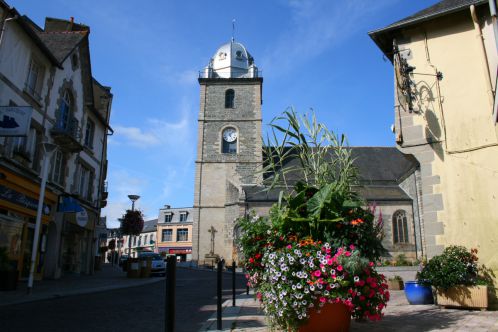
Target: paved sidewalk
{"x":110,"y":277}
{"x":399,"y":316}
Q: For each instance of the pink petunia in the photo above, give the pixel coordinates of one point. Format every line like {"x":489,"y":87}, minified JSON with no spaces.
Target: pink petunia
{"x":339,"y":268}
{"x":317,"y":273}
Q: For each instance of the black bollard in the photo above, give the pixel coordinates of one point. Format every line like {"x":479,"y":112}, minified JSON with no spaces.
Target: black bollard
{"x":233,"y":284}
{"x":170,"y":293}
{"x":219,"y":284}
{"x":247,"y":289}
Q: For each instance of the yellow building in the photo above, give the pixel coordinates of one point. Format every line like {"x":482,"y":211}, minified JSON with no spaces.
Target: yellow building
{"x":445,"y":63}
{"x":174,"y":232}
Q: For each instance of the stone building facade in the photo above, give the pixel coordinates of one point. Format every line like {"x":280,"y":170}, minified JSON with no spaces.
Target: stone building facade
{"x":228,"y":183}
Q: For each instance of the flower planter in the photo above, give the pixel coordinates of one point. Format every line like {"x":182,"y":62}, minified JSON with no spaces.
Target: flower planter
{"x":463,"y":296}
{"x":417,"y":293}
{"x":395,"y":284}
{"x":333,"y":317}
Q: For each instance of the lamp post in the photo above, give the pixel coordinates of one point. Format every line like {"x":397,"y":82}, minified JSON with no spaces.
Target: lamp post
{"x":133,"y":199}
{"x":48,"y":150}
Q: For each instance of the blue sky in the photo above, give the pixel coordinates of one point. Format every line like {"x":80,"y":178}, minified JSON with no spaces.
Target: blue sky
{"x":313,"y":54}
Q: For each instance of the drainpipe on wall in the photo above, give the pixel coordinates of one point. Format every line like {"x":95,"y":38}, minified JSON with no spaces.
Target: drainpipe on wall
{"x":479,"y":36}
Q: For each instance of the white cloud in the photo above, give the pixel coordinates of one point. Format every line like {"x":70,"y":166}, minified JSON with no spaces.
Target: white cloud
{"x":318,"y":26}
{"x":136,"y":137}
{"x":157,"y":133}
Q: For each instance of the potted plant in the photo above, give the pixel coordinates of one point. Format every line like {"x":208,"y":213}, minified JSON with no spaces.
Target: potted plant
{"x":312,"y":259}
{"x":395,"y":283}
{"x":455,"y":276}
{"x":8,"y":273}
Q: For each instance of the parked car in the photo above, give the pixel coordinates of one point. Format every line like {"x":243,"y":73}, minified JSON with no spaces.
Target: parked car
{"x":158,"y":264}
{"x":122,"y":260}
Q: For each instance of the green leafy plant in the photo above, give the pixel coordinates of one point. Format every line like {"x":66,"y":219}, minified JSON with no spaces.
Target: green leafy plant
{"x":455,"y":266}
{"x":319,"y":216}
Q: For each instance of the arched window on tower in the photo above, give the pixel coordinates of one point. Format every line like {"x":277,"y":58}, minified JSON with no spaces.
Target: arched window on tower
{"x":400,"y":227}
{"x":229,"y":98}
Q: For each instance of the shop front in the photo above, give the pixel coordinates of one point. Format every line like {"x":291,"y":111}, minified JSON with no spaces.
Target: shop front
{"x":78,"y":242}
{"x":184,"y":254}
{"x":18,"y":207}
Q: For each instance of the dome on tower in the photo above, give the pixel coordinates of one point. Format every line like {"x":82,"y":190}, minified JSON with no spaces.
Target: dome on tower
{"x":231,"y":60}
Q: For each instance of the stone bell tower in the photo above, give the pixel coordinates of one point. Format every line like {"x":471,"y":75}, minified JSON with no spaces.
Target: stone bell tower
{"x":229,"y":148}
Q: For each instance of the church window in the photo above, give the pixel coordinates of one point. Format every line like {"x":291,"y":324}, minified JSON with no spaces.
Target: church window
{"x":400,"y":227}
{"x":229,"y":98}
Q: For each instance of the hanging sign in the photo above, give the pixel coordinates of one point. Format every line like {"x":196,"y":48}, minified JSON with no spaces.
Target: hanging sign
{"x":15,"y":120}
{"x":82,"y":218}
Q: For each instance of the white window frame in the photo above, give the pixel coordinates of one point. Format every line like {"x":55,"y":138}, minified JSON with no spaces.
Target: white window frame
{"x":163,"y":232}
{"x":183,"y":216}
{"x":181,"y":230}
{"x":34,"y":80}
{"x":58,"y":168}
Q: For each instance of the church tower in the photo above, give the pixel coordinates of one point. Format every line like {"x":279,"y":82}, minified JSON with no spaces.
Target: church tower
{"x":229,"y":148}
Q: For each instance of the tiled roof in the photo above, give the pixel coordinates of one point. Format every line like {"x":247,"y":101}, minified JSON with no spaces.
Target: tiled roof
{"x":380,"y":165}
{"x":383,"y":37}
{"x":62,"y":43}
{"x":441,"y":8}
{"x":150,"y":226}
{"x":380,"y":169}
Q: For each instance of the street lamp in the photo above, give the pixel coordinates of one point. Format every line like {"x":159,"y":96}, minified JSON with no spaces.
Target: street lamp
{"x":48,"y":150}
{"x":133,"y":199}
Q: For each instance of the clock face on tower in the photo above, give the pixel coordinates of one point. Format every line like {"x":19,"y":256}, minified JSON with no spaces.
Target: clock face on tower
{"x":230,"y":135}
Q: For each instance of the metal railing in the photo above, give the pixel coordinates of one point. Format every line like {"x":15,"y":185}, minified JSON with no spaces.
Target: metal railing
{"x":231,"y":73}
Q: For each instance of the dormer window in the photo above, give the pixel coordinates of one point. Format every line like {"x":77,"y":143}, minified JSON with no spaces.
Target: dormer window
{"x":168,"y":217}
{"x":183,"y":216}
{"x":229,"y":98}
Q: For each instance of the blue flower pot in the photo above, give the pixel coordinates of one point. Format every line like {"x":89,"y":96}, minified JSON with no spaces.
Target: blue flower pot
{"x":417,"y":293}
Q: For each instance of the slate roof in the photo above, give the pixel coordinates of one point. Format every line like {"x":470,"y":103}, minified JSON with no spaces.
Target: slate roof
{"x":150,"y":226}
{"x":381,"y":169}
{"x":376,"y":193}
{"x":61,"y":44}
{"x":441,"y":8}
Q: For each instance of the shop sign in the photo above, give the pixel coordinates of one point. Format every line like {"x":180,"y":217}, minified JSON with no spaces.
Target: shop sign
{"x":15,"y":120}
{"x":180,"y":251}
{"x":21,"y":199}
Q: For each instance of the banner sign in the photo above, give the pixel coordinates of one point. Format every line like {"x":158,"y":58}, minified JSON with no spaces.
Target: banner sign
{"x":21,"y":199}
{"x":15,"y":120}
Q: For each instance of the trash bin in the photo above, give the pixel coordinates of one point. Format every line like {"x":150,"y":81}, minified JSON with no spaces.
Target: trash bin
{"x":145,"y":267}
{"x":133,"y":268}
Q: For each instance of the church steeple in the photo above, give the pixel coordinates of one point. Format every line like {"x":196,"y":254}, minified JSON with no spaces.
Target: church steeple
{"x":231,"y":60}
